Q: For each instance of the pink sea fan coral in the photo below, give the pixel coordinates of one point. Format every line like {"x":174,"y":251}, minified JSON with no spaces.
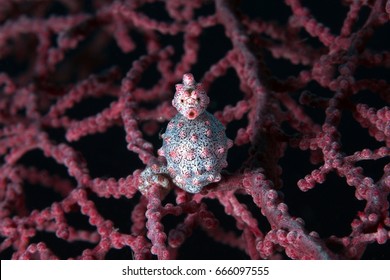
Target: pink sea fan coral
{"x":301,"y":87}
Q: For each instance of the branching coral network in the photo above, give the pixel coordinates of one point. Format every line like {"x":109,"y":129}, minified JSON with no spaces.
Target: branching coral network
{"x":86,"y":90}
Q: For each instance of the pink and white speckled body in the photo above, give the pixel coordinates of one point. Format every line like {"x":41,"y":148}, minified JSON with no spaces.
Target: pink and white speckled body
{"x":194,"y":143}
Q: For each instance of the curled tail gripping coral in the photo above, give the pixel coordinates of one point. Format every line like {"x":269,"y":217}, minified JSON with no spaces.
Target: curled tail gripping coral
{"x":194,"y":144}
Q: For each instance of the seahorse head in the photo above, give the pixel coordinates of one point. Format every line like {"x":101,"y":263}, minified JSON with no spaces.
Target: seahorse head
{"x":190,"y":99}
